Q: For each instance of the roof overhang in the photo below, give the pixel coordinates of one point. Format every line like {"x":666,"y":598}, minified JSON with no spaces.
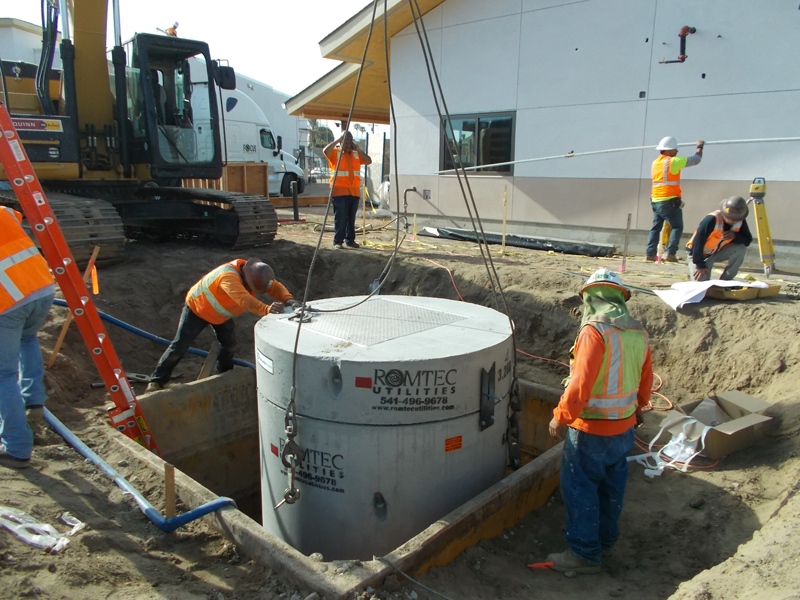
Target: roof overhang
{"x":331,"y":96}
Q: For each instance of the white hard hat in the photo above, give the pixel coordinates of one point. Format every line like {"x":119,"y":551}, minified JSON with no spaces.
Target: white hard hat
{"x":606,"y":277}
{"x":668,"y":143}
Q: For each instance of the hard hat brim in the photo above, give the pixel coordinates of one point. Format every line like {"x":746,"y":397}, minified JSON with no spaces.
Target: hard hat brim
{"x":625,"y":291}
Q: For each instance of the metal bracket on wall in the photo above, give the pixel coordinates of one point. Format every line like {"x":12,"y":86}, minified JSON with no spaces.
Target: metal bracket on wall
{"x":685,"y":31}
{"x":486,"y":414}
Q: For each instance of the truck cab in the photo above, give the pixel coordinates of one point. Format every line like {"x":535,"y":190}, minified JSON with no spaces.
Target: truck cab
{"x":248,"y":137}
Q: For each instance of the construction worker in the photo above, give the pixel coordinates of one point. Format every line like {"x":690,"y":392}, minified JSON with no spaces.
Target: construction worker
{"x":609,"y":386}
{"x":722,"y":235}
{"x":665,"y":197}
{"x":173,"y":31}
{"x":26,"y":293}
{"x":346,"y":187}
{"x":224,"y":293}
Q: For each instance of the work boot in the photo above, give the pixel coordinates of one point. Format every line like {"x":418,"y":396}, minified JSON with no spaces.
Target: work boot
{"x":6,"y":460}
{"x":670,"y":258}
{"x":353,"y":245}
{"x":649,"y":259}
{"x":337,"y":246}
{"x":569,"y":561}
{"x":154,"y":386}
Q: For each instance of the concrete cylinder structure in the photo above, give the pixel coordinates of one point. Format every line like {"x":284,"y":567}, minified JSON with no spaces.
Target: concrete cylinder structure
{"x":402,"y":406}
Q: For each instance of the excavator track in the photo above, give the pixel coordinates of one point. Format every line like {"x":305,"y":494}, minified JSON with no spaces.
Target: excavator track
{"x":233,"y":219}
{"x":85,"y":223}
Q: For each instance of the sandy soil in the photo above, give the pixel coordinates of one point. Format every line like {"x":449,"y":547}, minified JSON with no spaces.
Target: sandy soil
{"x":735,"y":543}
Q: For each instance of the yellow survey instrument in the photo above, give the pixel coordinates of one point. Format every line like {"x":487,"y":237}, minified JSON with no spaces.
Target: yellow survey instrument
{"x":758,"y":189}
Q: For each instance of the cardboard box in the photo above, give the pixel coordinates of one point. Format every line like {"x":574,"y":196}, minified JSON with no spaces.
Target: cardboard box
{"x":773,"y":290}
{"x":743,"y":426}
{"x":724,"y":293}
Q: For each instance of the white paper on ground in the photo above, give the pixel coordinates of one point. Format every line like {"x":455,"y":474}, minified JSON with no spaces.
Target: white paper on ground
{"x":31,"y":531}
{"x":689,"y":292}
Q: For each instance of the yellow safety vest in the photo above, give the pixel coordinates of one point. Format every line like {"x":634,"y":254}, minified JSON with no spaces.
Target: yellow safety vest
{"x":615,"y":392}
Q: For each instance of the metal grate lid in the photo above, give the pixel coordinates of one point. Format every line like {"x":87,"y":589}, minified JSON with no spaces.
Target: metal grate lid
{"x":379,"y":320}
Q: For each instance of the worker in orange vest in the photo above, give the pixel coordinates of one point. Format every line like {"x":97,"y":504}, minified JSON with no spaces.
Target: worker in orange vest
{"x":608,"y":388}
{"x":26,"y":293}
{"x":346,"y":184}
{"x":224,"y":293}
{"x":722,"y":236}
{"x":666,"y":198}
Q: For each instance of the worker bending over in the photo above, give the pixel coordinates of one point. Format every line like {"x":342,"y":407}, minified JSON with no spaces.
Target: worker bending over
{"x":665,"y":197}
{"x":224,"y":293}
{"x":609,"y":386}
{"x":26,"y":293}
{"x":722,"y":235}
{"x":346,"y":184}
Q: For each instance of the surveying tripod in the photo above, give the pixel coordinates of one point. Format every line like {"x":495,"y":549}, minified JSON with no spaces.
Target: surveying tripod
{"x":758,"y":189}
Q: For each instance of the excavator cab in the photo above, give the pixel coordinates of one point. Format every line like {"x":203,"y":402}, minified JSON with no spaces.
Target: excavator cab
{"x":161,"y":127}
{"x":114,"y":143}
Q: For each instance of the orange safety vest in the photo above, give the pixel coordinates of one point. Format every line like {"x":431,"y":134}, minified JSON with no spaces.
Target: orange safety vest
{"x":615,"y":392}
{"x":348,"y":179}
{"x":208,"y":301}
{"x":714,"y":242}
{"x":665,"y":183}
{"x":23,"y":271}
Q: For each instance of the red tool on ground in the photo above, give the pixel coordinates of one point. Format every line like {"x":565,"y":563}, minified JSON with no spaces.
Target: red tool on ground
{"x":541,"y":565}
{"x":126,"y":416}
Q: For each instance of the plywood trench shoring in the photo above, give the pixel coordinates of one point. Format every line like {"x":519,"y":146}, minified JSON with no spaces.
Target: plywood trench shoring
{"x":209,"y":430}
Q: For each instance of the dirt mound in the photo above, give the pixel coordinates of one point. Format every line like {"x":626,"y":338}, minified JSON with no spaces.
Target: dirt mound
{"x":735,"y":542}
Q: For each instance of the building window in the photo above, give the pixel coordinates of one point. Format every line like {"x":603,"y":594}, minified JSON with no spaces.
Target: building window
{"x":477,"y":140}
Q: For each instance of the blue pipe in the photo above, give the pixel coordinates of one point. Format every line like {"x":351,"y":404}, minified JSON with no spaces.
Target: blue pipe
{"x":150,"y":336}
{"x":151,"y":513}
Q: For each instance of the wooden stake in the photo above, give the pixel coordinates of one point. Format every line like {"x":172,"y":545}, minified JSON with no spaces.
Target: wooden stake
{"x":169,"y":490}
{"x":68,"y":320}
{"x":210,"y":361}
{"x":625,"y":249}
{"x":505,"y":204}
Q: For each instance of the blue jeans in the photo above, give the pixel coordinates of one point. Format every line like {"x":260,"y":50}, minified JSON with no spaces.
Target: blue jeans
{"x":665,"y":211}
{"x":189,"y":327}
{"x":594,"y":471}
{"x":21,"y":372}
{"x":344,"y":219}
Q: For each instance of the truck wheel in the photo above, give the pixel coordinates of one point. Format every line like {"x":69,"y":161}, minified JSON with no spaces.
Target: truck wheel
{"x":286,"y":186}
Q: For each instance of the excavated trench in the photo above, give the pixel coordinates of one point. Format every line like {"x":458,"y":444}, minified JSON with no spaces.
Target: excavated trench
{"x":701,"y":350}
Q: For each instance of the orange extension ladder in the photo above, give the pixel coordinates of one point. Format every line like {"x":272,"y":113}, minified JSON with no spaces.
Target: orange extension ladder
{"x":126,"y":416}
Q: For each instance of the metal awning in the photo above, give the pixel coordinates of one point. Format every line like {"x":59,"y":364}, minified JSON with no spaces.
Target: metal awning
{"x":330,"y":96}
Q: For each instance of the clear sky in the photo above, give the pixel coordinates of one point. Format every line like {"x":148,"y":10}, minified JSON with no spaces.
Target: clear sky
{"x":273,"y":41}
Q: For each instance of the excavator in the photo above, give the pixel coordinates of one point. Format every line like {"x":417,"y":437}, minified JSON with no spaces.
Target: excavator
{"x":111,"y":141}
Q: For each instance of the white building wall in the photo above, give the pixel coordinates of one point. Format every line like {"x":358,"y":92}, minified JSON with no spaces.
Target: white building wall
{"x":573,"y":73}
{"x":22,"y":41}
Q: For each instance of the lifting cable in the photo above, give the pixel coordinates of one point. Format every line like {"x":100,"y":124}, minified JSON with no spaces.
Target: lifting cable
{"x":292,"y":452}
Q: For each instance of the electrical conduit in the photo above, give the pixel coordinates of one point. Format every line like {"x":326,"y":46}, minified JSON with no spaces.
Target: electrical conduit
{"x":150,"y":336}
{"x":167,"y":525}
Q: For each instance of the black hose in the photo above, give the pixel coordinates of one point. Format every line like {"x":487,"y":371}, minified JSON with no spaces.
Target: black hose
{"x":49,"y":38}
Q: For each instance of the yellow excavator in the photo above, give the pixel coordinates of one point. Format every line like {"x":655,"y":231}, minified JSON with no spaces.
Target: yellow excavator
{"x":111,"y":141}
